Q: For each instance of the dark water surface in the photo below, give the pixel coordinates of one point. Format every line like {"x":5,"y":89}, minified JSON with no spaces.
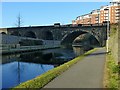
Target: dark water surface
{"x":18,"y":68}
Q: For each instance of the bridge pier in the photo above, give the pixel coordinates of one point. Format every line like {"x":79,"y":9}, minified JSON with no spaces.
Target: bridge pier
{"x":78,"y":50}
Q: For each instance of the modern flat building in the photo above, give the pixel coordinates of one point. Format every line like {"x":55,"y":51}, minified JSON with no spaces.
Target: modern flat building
{"x":105,"y":13}
{"x":95,"y":16}
{"x":114,"y":12}
{"x":83,"y":19}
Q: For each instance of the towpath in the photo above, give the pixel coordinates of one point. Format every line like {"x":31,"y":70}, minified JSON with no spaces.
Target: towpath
{"x":87,"y":73}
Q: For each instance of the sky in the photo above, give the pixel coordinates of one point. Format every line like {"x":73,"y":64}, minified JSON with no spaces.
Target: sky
{"x":45,"y":13}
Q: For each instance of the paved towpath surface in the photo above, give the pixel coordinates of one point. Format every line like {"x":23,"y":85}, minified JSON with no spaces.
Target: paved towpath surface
{"x":87,"y":73}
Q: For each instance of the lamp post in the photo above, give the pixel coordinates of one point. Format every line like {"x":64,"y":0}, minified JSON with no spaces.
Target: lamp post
{"x":107,"y":41}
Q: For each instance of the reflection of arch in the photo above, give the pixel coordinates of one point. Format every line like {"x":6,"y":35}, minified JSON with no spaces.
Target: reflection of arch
{"x":15,"y":33}
{"x":47,"y":35}
{"x":3,"y":32}
{"x":30,"y":34}
{"x":70,"y":37}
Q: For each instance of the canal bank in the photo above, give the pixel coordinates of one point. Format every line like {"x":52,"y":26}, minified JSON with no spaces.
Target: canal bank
{"x":45,"y":78}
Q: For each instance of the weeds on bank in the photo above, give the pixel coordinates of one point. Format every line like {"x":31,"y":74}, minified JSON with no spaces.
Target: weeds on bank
{"x":112,"y":73}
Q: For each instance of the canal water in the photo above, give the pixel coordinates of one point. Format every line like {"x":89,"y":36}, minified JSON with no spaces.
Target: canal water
{"x":18,"y":68}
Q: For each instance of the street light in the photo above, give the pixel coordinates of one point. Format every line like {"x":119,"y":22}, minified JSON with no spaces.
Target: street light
{"x":107,"y":30}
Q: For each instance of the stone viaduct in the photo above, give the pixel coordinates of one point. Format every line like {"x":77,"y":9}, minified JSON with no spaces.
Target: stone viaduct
{"x":63,"y":33}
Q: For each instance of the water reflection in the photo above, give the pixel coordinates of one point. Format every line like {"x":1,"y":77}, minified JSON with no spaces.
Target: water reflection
{"x":19,"y":68}
{"x":16,"y":72}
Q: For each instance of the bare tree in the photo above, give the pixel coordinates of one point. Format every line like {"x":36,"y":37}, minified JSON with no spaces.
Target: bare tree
{"x":19,"y":20}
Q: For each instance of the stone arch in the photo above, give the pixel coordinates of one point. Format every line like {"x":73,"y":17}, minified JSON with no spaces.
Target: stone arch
{"x":3,"y":33}
{"x":70,"y":37}
{"x":30,"y":34}
{"x":47,"y":35}
{"x":15,"y":33}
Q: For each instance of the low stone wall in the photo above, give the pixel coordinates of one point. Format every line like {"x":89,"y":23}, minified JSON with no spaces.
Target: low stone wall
{"x":114,"y":42}
{"x":119,"y":43}
{"x":8,"y":39}
{"x":11,"y":44}
{"x":18,"y":49}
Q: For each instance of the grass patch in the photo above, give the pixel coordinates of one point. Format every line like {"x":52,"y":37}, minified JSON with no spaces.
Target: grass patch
{"x":111,"y":78}
{"x":45,"y":78}
{"x":112,"y":71}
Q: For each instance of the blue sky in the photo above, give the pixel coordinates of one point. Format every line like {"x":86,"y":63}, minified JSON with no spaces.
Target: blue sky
{"x":45,"y":13}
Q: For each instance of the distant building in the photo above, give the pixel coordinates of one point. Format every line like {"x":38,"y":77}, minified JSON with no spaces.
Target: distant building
{"x":84,"y":19}
{"x":111,"y":12}
{"x":95,"y":16}
{"x":104,"y":10}
{"x":115,"y":12}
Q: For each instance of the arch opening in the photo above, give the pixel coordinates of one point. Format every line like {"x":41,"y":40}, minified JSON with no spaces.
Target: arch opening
{"x":15,"y":33}
{"x":3,"y":33}
{"x":47,"y":35}
{"x":30,"y":34}
{"x":87,"y":40}
{"x":70,"y":38}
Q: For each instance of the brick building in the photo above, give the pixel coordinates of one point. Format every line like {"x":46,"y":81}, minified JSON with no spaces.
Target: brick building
{"x":109,"y":12}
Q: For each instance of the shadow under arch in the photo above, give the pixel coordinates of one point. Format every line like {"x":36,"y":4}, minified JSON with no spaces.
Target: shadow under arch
{"x":3,"y":33}
{"x":15,"y":33}
{"x":47,"y":35}
{"x":30,"y":34}
{"x":70,"y":37}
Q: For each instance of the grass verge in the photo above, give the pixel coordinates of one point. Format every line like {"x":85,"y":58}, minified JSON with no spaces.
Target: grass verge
{"x":45,"y":78}
{"x":111,"y":78}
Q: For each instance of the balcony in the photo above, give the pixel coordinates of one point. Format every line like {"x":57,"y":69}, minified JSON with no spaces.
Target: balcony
{"x":105,"y":19}
{"x":116,"y":21}
{"x":117,"y":9}
{"x":106,"y":15}
{"x":117,"y":15}
{"x":96,"y":18}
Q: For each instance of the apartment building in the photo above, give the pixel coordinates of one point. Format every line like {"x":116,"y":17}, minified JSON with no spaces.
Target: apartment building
{"x":83,"y":19}
{"x":95,"y":16}
{"x":109,"y":12}
{"x":114,"y":12}
{"x":104,"y":13}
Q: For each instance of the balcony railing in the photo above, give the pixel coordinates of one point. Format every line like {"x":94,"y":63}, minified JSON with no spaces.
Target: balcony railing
{"x":118,"y":12}
{"x":117,"y":17}
{"x":117,"y":9}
